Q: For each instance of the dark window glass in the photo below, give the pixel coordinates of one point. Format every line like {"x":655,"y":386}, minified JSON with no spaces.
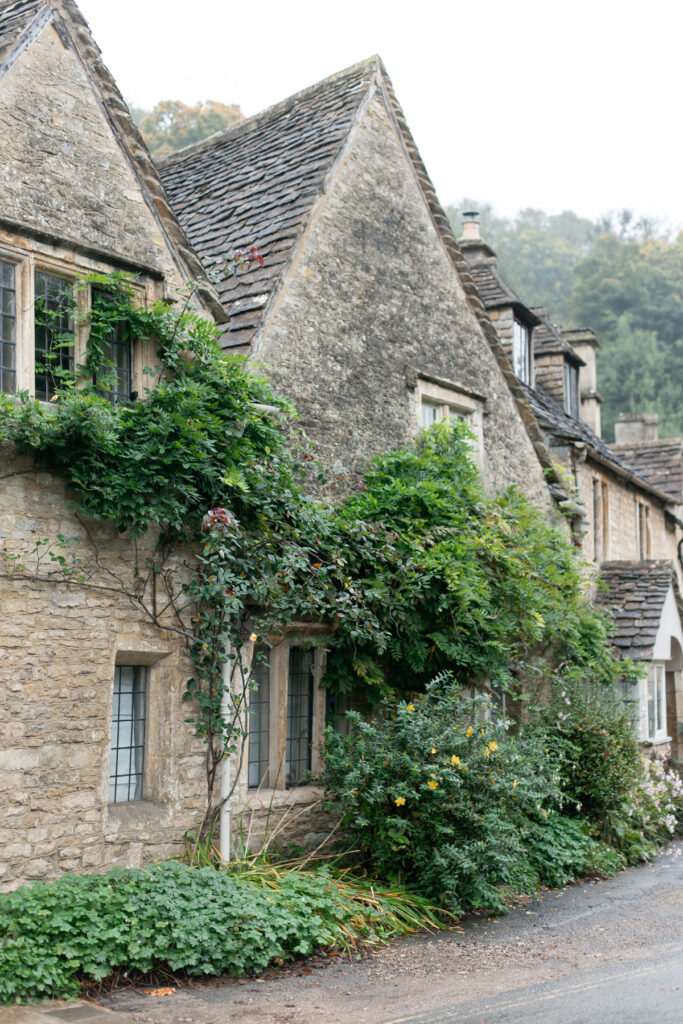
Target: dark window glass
{"x":115,"y":372}
{"x":128,"y":734}
{"x":299,"y":716}
{"x":54,"y":326}
{"x":8,"y":328}
{"x":259,"y":720}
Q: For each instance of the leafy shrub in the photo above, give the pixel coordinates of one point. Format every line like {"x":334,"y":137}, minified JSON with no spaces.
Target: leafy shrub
{"x":442,"y":800}
{"x":198,"y":921}
{"x":630,"y":802}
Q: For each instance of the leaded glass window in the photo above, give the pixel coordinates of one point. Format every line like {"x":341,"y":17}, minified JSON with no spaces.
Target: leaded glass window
{"x":8,"y":328}
{"x":54,"y":326}
{"x":127,"y":765}
{"x":259,"y":720}
{"x":299,"y":716}
{"x":115,"y":372}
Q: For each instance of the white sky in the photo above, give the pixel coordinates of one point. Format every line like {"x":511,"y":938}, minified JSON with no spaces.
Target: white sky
{"x":544,"y":103}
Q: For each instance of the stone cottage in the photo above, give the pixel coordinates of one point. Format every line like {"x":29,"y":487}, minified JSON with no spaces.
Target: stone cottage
{"x":81,"y":785}
{"x":625,"y":497}
{"x":364,"y":311}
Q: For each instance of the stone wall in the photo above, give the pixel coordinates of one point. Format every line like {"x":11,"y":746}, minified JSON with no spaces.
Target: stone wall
{"x":58,"y":647}
{"x":371,"y":302}
{"x":63,"y":171}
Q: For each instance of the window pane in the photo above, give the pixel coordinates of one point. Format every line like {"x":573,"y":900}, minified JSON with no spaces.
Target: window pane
{"x":114,"y":375}
{"x":430,"y":414}
{"x":521,"y":356}
{"x":660,"y":696}
{"x":128,"y":734}
{"x":650,"y":706}
{"x":54,"y":327}
{"x":299,"y":716}
{"x":8,"y":327}
{"x":259,"y":720}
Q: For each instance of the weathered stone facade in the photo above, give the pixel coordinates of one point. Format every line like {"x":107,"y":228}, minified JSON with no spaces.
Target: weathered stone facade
{"x":371,"y":303}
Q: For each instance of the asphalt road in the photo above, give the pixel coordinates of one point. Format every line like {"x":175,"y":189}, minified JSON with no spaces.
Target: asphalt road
{"x":607,"y":951}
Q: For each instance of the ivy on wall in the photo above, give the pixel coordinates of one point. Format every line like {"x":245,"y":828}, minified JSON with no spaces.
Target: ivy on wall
{"x":415,"y":572}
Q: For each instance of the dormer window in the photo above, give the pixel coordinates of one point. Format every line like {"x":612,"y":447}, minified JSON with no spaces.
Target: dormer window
{"x":571,"y":390}
{"x":521,"y":351}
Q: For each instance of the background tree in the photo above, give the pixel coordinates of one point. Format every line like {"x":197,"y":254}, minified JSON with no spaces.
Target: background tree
{"x":172,"y":124}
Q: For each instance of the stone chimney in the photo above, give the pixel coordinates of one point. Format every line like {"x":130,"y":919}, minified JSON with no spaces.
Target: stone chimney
{"x":632,"y":427}
{"x":585,"y":343}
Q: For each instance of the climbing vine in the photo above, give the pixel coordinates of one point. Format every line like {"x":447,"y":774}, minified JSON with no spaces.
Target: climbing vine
{"x":416,"y":572}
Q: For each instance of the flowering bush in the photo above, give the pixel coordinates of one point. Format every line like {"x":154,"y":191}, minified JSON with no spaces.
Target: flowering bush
{"x":632,"y":803}
{"x":440,"y":798}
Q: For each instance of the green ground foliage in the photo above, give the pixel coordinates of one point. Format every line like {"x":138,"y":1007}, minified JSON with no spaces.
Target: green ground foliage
{"x":171,"y":918}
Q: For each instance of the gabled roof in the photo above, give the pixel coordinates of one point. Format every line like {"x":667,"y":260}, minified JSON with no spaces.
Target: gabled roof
{"x":255,"y":184}
{"x":494,"y":290}
{"x":658,"y":462}
{"x":549,"y":341}
{"x":21,"y":21}
{"x":634,"y":595}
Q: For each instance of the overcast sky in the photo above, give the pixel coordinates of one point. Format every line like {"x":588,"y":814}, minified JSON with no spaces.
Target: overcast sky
{"x":546,"y":104}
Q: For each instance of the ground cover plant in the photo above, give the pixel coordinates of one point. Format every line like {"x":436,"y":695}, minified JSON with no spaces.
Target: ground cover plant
{"x":174,"y":919}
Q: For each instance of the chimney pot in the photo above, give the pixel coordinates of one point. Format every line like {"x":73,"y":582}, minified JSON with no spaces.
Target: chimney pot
{"x":470,"y":224}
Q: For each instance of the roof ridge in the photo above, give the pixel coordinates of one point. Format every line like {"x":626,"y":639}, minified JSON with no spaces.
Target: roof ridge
{"x":373,"y":64}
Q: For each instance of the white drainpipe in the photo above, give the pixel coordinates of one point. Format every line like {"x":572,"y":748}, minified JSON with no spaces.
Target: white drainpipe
{"x":226,"y":764}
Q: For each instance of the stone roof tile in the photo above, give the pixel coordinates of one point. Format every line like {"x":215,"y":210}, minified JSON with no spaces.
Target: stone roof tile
{"x":255,"y":184}
{"x":15,"y":16}
{"x":634,"y":595}
{"x":658,"y":462}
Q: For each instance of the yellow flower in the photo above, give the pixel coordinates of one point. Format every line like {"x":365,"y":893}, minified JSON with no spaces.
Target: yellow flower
{"x":544,"y":812}
{"x":514,"y":783}
{"x":432,"y":783}
{"x":482,"y":732}
{"x":433,"y":750}
{"x":493,"y":745}
{"x":469,"y":731}
{"x":399,"y":801}
{"x":455,"y":760}
{"x":487,"y":752}
{"x":253,"y":638}
{"x":410,"y":707}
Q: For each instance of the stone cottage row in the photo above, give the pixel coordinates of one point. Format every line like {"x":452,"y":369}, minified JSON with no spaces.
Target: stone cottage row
{"x":371,"y":316}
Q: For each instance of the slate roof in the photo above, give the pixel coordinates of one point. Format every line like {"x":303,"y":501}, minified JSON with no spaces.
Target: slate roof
{"x":549,"y":341}
{"x":255,"y":184}
{"x":15,"y":16}
{"x":634,"y":596}
{"x":564,"y":428}
{"x":658,"y":462}
{"x":495,"y":292}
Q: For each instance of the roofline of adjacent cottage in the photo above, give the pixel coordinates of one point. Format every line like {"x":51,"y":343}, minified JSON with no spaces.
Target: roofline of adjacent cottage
{"x":75,"y":33}
{"x":632,"y":478}
{"x":247,"y":124}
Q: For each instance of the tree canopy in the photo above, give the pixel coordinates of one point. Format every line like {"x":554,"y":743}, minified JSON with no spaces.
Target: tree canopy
{"x":172,"y":124}
{"x":622,"y":276}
